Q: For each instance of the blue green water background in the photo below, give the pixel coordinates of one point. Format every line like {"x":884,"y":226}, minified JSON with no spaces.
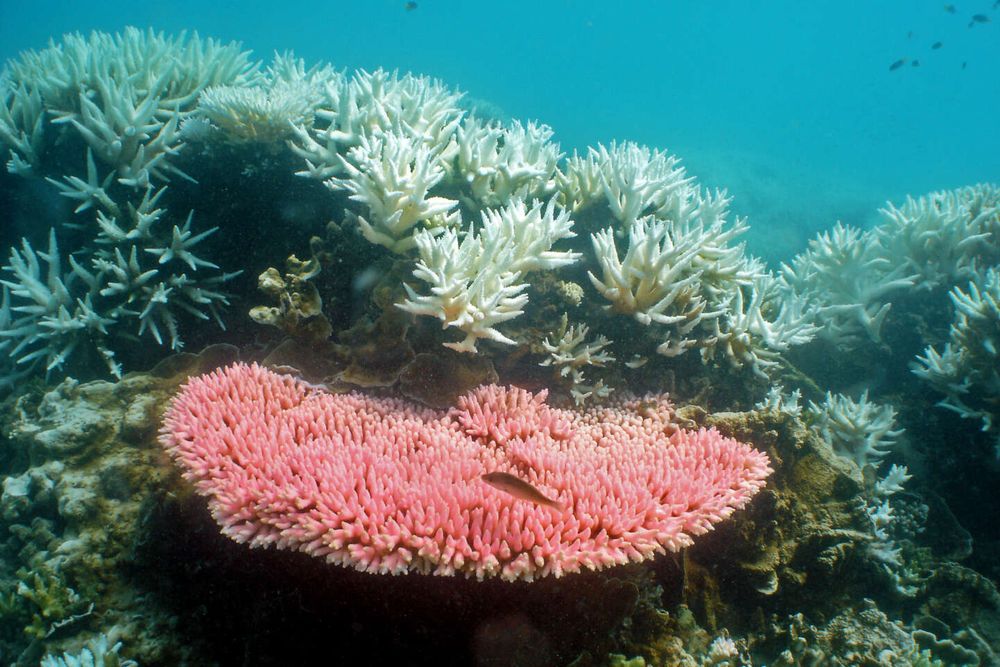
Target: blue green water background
{"x":789,"y":105}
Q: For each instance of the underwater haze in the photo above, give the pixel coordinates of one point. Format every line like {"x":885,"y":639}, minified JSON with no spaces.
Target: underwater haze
{"x":790,"y":106}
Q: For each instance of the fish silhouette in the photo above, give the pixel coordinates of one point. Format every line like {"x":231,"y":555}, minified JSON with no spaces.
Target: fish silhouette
{"x":520,"y":489}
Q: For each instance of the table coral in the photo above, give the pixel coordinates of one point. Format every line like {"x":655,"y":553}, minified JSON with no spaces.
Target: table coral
{"x":384,"y":486}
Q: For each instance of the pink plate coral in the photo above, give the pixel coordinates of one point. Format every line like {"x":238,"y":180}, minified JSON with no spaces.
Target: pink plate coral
{"x":386,"y":486}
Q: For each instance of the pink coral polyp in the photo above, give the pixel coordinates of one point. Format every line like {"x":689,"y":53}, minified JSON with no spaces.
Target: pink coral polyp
{"x":385,"y":486}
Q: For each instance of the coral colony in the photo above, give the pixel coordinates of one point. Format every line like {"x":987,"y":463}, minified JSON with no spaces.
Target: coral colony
{"x":387,"y":486}
{"x":487,"y":258}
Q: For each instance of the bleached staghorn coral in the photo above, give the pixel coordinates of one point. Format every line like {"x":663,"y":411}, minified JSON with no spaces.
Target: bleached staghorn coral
{"x":863,"y":432}
{"x":777,"y":400}
{"x":123,"y":93}
{"x":656,"y":280}
{"x":571,"y":353}
{"x":98,"y":652}
{"x":886,"y":526}
{"x":893,"y":481}
{"x":133,"y":280}
{"x":372,"y":103}
{"x":22,"y":125}
{"x":754,"y":330}
{"x":967,"y":370}
{"x":499,"y":163}
{"x":53,"y":317}
{"x":631,"y":180}
{"x":287,"y":97}
{"x":476,"y":283}
{"x":943,"y":237}
{"x":682,"y":271}
{"x":860,"y":430}
{"x":392,"y":174}
{"x":846,"y":276}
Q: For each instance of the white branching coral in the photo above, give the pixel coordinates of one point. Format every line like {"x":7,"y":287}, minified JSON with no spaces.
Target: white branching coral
{"x":777,"y":400}
{"x":499,"y":163}
{"x":133,"y":275}
{"x":656,"y":280}
{"x":967,"y":370}
{"x":943,"y":237}
{"x":476,"y":283}
{"x":392,"y":174}
{"x":893,"y":481}
{"x":885,"y":525}
{"x":288,"y":97}
{"x":372,"y":103}
{"x":121,"y":127}
{"x":631,"y":180}
{"x":846,"y":277}
{"x":753,"y":331}
{"x":124,"y":94}
{"x":22,"y":125}
{"x":119,"y":99}
{"x":861,"y":431}
{"x":571,"y":353}
{"x":682,"y":272}
{"x":98,"y":652}
{"x":53,"y":317}
{"x":386,"y":140}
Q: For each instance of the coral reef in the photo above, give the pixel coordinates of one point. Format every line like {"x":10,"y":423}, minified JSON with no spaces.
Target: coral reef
{"x":463,"y":248}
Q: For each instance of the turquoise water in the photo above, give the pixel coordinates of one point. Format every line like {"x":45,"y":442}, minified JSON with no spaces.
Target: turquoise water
{"x":790,"y":106}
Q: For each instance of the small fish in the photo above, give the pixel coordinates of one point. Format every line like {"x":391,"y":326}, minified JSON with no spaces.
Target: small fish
{"x":638,"y":361}
{"x":410,"y":6}
{"x":909,"y":35}
{"x":963,"y":64}
{"x":950,"y":9}
{"x":915,"y":63}
{"x":520,"y":489}
{"x":979,"y":18}
{"x":938,"y":45}
{"x":896,"y":65}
